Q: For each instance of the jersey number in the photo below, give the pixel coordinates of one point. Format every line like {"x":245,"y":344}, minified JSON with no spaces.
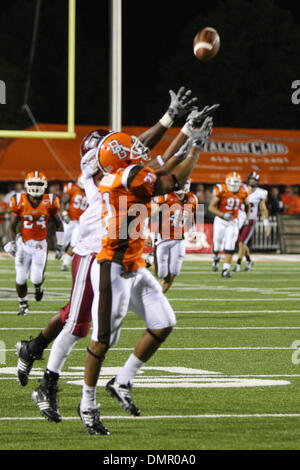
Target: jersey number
{"x":29,"y":221}
{"x":80,"y":202}
{"x":232,"y":203}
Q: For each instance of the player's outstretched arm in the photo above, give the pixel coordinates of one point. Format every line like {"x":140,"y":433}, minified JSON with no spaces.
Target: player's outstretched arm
{"x":265,"y":216}
{"x":180,"y":104}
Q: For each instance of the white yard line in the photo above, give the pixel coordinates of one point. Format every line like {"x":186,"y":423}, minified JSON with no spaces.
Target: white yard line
{"x":233,"y":348}
{"x":12,"y":328}
{"x":203,"y":416}
{"x":216,"y":312}
{"x":229,"y":299}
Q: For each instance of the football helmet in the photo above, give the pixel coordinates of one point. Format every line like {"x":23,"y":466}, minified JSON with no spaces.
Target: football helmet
{"x":92,"y":140}
{"x":255,"y":177}
{"x":118,"y":150}
{"x":80,"y":181}
{"x":185,"y":189}
{"x":233,"y":181}
{"x":35,"y":183}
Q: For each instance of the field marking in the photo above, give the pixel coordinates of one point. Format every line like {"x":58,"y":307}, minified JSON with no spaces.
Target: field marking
{"x":217,"y":312}
{"x":215,"y":348}
{"x":203,"y":416}
{"x":229,"y":299}
{"x":7,"y":328}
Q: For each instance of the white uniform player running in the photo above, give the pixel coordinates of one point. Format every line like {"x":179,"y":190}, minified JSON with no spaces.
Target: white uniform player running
{"x":257,"y":200}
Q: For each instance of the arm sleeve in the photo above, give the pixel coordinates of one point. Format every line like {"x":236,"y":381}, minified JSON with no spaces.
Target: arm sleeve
{"x":13,"y":206}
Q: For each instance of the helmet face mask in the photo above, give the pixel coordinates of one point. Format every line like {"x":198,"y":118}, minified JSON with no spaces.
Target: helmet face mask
{"x":253,"y":179}
{"x":233,"y":182}
{"x":185,"y":189}
{"x":35,"y":184}
{"x":92,"y":140}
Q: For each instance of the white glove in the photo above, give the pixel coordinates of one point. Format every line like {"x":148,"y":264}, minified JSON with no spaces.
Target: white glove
{"x":183,"y":151}
{"x":181,"y":103}
{"x":196,"y":117}
{"x":88,"y":164}
{"x":11,"y":248}
{"x":198,"y":136}
{"x":226,"y":216}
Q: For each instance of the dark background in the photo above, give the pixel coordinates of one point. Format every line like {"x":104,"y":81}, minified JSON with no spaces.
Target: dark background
{"x":251,"y":76}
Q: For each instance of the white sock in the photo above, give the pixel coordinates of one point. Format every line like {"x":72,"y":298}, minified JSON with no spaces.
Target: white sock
{"x":88,"y":399}
{"x":60,"y":350}
{"x":226,"y":266}
{"x":67,"y":259}
{"x":129,"y":370}
{"x":23,"y":299}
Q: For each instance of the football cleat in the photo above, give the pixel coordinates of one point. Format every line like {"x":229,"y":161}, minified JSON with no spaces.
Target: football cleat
{"x":226,"y":273}
{"x":38,"y":293}
{"x":25,"y":361}
{"x":23,"y":309}
{"x":123,"y":394}
{"x":237,"y":268}
{"x":46,"y":400}
{"x":92,"y":422}
{"x":249,"y":265}
{"x":64,"y":267}
{"x":215,"y":266}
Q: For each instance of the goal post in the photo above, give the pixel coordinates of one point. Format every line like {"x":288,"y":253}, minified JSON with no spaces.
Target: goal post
{"x":70,"y":133}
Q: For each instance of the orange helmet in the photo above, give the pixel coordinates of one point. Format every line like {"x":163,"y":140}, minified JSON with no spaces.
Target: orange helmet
{"x":36,"y":183}
{"x":233,"y":181}
{"x":117,"y":150}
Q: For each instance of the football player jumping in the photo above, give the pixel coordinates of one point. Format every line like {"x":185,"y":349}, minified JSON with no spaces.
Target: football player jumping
{"x":176,"y":216}
{"x":226,"y":201}
{"x":75,"y":200}
{"x":257,"y":200}
{"x":33,"y":209}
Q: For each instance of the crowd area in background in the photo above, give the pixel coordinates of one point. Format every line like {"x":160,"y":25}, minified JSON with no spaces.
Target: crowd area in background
{"x":282,"y":199}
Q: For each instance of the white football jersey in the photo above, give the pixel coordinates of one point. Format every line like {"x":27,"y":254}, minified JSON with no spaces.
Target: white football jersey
{"x":254,"y":199}
{"x":90,"y":230}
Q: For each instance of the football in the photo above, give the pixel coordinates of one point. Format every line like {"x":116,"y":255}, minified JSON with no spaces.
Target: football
{"x":206,"y":44}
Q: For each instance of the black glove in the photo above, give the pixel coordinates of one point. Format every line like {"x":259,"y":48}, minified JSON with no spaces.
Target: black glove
{"x":180,"y":103}
{"x":59,"y":251}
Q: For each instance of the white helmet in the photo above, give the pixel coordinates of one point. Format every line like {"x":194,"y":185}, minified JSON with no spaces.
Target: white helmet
{"x":185,"y":189}
{"x":233,"y":181}
{"x":36,"y":183}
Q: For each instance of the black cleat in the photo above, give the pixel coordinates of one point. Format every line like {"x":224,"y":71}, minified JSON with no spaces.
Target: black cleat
{"x":23,"y":309}
{"x":123,"y":394}
{"x":38,"y":294}
{"x":92,"y":422}
{"x":215,"y":266}
{"x":25,"y":361}
{"x":46,"y":400}
{"x":226,"y":273}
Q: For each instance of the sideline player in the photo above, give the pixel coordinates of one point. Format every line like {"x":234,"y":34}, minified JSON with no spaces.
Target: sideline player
{"x":74,"y":203}
{"x":33,"y":209}
{"x":120,"y":261}
{"x":257,"y":200}
{"x":176,"y":215}
{"x":226,"y":201}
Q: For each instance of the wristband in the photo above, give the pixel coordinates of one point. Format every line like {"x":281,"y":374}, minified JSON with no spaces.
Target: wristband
{"x":185,"y":130}
{"x":266,"y":222}
{"x":166,"y":121}
{"x":159,"y":160}
{"x":60,"y":238}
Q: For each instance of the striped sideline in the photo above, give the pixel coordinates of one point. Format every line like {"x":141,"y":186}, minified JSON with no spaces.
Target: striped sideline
{"x":204,"y":416}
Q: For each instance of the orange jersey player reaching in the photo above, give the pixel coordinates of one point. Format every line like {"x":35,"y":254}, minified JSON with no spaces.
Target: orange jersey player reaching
{"x":225,"y":204}
{"x":74,"y":203}
{"x":34,"y":209}
{"x":176,"y":217}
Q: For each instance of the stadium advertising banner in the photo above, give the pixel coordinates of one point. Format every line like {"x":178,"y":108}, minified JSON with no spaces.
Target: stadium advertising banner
{"x":274,"y":153}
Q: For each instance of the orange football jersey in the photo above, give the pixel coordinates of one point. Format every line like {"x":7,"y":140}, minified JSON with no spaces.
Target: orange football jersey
{"x":78,"y":201}
{"x":175,"y":215}
{"x":126,"y":197}
{"x":229,"y":201}
{"x":34,"y":218}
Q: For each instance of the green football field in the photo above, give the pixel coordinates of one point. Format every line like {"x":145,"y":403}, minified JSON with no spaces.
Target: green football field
{"x":227,"y":377}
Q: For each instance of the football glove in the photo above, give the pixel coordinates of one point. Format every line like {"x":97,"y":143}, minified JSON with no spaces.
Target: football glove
{"x":11,"y":248}
{"x":198,"y":136}
{"x":59,"y":251}
{"x":88,"y":164}
{"x":196,"y":117}
{"x":65,"y":217}
{"x":181,"y":102}
{"x":226,"y":216}
{"x":183,"y":151}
